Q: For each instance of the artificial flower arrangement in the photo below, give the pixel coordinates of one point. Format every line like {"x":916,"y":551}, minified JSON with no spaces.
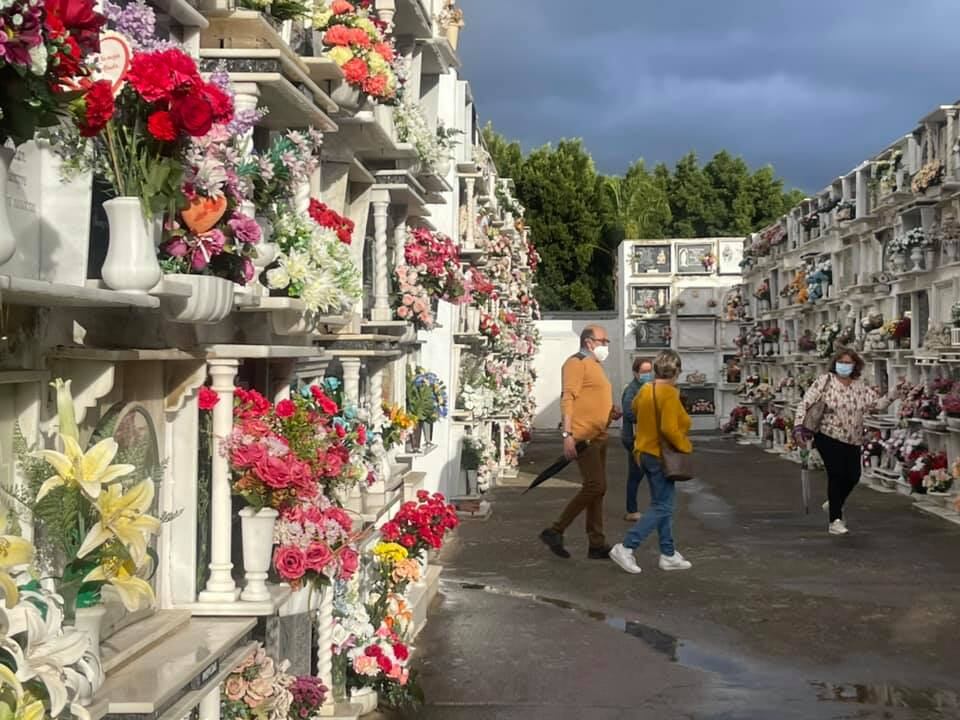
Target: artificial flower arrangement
{"x":825,"y":338}
{"x":762,"y":293}
{"x":46,"y":63}
{"x":412,"y":301}
{"x":434,"y":146}
{"x":91,"y":512}
{"x":211,"y":234}
{"x":47,"y":670}
{"x":278,"y":10}
{"x":737,"y":416}
{"x":482,"y":290}
{"x":284,"y":454}
{"x":920,"y":463}
{"x":871,"y":448}
{"x":421,"y":526}
{"x":427,"y":399}
{"x":709,"y":261}
{"x":355,"y":39}
{"x":489,"y":466}
{"x":314,"y":264}
{"x":259,"y":688}
{"x":397,"y":425}
{"x":929,"y":175}
{"x":141,"y":131}
{"x":395,"y":565}
{"x":951,"y":406}
{"x":436,"y":259}
{"x":938,"y":481}
{"x":276,"y":175}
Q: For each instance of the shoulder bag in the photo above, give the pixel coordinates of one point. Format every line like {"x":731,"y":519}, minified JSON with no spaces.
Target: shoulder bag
{"x":814,"y":414}
{"x":677,"y":466}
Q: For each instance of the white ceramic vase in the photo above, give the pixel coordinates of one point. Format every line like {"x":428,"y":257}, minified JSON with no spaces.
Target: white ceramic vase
{"x":346,"y":96}
{"x":89,"y":621}
{"x":210,"y":302}
{"x":256,"y":529}
{"x":365,"y":698}
{"x":916,"y":257}
{"x":8,"y":241}
{"x":442,"y":167}
{"x":131,"y":264}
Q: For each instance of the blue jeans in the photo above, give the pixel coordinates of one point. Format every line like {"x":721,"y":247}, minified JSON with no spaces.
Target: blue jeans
{"x":634,"y":478}
{"x":659,"y":516}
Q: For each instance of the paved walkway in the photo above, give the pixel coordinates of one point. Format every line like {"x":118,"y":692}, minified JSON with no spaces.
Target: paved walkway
{"x":777,"y":619}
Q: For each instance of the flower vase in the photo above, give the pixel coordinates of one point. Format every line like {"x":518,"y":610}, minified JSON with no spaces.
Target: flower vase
{"x":916,"y":257}
{"x":8,"y":241}
{"x":442,"y":167}
{"x":453,"y":35}
{"x":427,"y":433}
{"x":891,"y":344}
{"x":210,"y":300}
{"x":899,"y":261}
{"x":471,"y":480}
{"x":131,"y":263}
{"x":415,"y":439}
{"x":365,"y":698}
{"x":89,"y":620}
{"x":346,"y":96}
{"x":256,"y":530}
{"x":929,"y":259}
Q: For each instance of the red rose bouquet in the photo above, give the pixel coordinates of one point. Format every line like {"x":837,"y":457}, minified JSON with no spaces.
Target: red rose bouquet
{"x":313,"y":544}
{"x":141,"y":134}
{"x":420,"y":526}
{"x":46,"y":51}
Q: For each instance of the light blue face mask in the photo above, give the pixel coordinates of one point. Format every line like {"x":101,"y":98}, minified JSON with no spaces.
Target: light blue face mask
{"x":845,"y":370}
{"x":645,"y":377}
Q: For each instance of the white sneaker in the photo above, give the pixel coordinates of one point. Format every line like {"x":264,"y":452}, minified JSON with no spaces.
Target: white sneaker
{"x":674,"y":562}
{"x":826,"y":506}
{"x":623,"y":556}
{"x":838,"y":527}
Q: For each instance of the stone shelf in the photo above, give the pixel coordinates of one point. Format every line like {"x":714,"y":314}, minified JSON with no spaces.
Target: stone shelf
{"x":241,"y":62}
{"x":183,"y":12}
{"x":279,"y":594}
{"x":188,"y":660}
{"x":289,"y":108}
{"x":23,"y":291}
{"x":322,"y":69}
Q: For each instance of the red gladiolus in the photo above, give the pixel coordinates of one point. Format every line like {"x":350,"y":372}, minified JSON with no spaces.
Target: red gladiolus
{"x":99,"y":108}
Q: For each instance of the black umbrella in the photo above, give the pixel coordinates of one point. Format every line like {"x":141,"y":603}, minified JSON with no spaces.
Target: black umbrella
{"x":556,"y":467}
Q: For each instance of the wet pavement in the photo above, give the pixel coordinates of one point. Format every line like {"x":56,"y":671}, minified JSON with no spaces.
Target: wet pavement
{"x":777,"y":620}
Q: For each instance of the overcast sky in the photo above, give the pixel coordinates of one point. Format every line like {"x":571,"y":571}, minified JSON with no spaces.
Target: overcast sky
{"x":812,"y":87}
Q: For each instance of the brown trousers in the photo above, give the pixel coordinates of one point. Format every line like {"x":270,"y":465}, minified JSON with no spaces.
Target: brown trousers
{"x":593,"y":470}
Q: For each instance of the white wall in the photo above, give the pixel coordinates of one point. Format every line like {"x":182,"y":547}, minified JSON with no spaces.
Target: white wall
{"x":561,"y":339}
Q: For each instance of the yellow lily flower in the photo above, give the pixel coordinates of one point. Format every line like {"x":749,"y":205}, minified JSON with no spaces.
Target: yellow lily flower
{"x":15,"y":551}
{"x":129,"y":587}
{"x":122,"y":517}
{"x":88,"y":470}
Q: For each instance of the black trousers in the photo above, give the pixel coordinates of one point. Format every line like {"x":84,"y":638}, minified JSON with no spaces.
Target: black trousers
{"x":842,"y":461}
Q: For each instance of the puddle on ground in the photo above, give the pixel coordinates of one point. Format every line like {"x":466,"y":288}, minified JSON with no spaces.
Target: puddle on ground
{"x":737,"y":673}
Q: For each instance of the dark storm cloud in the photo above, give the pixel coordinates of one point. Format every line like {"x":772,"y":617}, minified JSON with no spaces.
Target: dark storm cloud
{"x":812,"y":88}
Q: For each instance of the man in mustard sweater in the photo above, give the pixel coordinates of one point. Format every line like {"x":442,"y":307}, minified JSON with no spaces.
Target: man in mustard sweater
{"x":587,"y":409}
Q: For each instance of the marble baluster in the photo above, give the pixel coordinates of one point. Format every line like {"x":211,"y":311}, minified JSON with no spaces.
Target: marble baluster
{"x":220,"y":585}
{"x":325,"y":643}
{"x":381,"y":273}
{"x":351,"y":381}
{"x":399,"y":236}
{"x":469,"y":241}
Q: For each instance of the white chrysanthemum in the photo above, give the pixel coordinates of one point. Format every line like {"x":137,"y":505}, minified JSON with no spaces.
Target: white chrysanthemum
{"x":298,"y":266}
{"x":319,"y":243}
{"x":38,"y":59}
{"x":320,"y":292}
{"x":278,"y":278}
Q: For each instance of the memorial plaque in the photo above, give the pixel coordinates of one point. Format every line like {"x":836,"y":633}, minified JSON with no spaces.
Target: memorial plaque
{"x":692,"y":258}
{"x":730,"y":255}
{"x":651,"y":259}
{"x":652,"y":333}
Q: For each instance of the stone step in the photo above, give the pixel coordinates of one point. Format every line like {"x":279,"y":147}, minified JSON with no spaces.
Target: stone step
{"x":159,"y":678}
{"x":125,"y":645}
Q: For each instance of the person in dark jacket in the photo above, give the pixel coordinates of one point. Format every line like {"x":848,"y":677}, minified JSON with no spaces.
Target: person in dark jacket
{"x":642,"y":374}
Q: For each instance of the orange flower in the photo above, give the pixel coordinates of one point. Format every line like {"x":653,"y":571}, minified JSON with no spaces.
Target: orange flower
{"x":339,"y":35}
{"x":341,"y":7}
{"x":384,"y":50}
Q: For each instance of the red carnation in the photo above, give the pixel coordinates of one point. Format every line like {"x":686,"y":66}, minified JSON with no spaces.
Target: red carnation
{"x":149,"y":77}
{"x":193,"y":114}
{"x":285,"y":409}
{"x":355,"y":71}
{"x":401,"y":652}
{"x":99,"y":108}
{"x":375,"y":85}
{"x":390,"y":531}
{"x":384,"y":663}
{"x":408,"y":541}
{"x":384,"y":50}
{"x":338,"y":35}
{"x":160,"y":125}
{"x":208,"y":398}
{"x":360,"y":38}
{"x":182,"y":69}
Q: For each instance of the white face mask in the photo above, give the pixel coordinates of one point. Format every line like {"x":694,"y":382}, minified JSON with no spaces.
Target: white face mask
{"x":601,"y":353}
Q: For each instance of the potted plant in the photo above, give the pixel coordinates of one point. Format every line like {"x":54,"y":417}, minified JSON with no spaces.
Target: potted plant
{"x":470,"y":460}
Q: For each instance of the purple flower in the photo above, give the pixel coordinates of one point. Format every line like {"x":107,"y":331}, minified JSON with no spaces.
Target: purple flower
{"x":245,"y":229}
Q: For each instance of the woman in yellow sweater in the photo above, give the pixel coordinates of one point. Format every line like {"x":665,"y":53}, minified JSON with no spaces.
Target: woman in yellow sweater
{"x":659,"y":398}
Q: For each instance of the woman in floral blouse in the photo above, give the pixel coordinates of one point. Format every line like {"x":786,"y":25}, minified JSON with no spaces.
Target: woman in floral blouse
{"x":847,"y":399}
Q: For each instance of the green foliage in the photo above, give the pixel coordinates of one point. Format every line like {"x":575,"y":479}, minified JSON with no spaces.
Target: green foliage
{"x":579,"y":217}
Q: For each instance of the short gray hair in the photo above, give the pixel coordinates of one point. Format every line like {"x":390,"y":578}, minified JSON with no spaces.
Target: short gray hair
{"x":667,"y":365}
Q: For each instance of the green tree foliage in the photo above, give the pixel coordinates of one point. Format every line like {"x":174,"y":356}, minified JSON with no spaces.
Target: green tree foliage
{"x":579,"y":217}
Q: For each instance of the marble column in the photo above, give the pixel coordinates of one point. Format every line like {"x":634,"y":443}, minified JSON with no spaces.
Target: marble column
{"x":325,"y":644}
{"x":281,"y":376}
{"x":209,"y":707}
{"x":381,"y":273}
{"x":375,"y":370}
{"x":470,"y":241}
{"x":220,"y":585}
{"x":863,"y":191}
{"x":399,"y":236}
{"x":351,"y":381}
